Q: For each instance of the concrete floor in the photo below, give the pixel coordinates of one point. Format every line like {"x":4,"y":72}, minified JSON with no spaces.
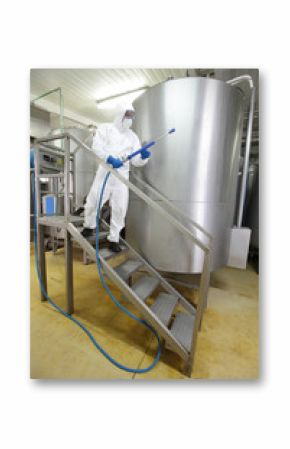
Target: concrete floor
{"x":227,"y":348}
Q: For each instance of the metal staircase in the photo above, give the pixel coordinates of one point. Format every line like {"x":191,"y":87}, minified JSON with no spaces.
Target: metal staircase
{"x":175,"y":319}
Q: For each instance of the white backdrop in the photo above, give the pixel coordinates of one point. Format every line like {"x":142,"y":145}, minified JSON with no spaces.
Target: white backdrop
{"x":123,"y":33}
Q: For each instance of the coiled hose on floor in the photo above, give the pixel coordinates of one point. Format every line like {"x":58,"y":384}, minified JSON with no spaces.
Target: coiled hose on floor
{"x":116,"y":302}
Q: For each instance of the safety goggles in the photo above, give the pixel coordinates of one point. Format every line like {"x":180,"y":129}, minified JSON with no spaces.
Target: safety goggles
{"x":129,"y":114}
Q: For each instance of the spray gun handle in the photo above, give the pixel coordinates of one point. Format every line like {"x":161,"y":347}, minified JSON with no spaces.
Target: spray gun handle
{"x":145,"y":147}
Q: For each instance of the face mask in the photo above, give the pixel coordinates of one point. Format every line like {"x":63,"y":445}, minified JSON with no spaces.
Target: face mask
{"x":127,"y":123}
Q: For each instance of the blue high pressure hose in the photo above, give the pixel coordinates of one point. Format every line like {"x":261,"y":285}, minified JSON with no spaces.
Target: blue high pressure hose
{"x":116,"y":302}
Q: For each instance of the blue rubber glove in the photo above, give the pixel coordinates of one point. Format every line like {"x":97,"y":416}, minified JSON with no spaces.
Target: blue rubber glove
{"x":115,"y":162}
{"x":145,"y":154}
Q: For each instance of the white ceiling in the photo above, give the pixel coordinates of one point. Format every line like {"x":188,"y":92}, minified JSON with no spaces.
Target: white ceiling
{"x":82,"y":87}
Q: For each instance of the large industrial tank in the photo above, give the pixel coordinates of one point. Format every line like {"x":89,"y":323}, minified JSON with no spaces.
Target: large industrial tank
{"x":85,"y":163}
{"x":196,"y":169}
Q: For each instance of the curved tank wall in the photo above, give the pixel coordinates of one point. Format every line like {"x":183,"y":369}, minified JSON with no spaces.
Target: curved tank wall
{"x":196,"y":168}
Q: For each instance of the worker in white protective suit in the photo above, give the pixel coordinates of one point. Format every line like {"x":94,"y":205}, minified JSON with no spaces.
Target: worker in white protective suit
{"x":113,"y":142}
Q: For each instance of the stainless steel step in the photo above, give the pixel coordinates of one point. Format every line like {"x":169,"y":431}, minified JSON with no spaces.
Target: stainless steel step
{"x":92,"y":238}
{"x":182,"y":329}
{"x":145,"y":286}
{"x":107,"y":254}
{"x":163,"y":307}
{"x":127,"y":268}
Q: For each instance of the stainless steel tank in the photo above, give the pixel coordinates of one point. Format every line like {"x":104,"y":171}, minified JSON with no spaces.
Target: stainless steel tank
{"x":196,"y":169}
{"x":85,"y":164}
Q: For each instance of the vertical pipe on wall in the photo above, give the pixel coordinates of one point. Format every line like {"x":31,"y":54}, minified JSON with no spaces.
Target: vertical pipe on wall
{"x":234,"y":82}
{"x":67,"y":177}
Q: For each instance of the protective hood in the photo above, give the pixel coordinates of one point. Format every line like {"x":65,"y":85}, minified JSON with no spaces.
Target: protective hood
{"x":123,"y":124}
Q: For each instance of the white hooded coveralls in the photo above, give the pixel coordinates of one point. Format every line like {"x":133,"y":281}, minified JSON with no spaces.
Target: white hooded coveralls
{"x":113,"y":139}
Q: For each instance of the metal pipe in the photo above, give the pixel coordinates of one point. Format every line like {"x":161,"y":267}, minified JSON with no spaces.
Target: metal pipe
{"x":202,"y":300}
{"x":54,"y":148}
{"x":40,"y":229}
{"x":45,"y":94}
{"x":50,"y":138}
{"x":66,"y":178}
{"x":37,"y":182}
{"x":61,"y":110}
{"x":68,"y":249}
{"x":50,"y":175}
{"x":234,"y":82}
{"x":74,"y":168}
{"x":240,"y":79}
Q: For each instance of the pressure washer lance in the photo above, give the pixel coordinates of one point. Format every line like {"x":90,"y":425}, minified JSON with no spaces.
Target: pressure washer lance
{"x":147,"y":145}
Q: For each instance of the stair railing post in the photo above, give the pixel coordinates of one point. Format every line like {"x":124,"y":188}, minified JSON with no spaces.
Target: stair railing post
{"x":201,"y":306}
{"x":40,"y":228}
{"x":68,"y":239}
